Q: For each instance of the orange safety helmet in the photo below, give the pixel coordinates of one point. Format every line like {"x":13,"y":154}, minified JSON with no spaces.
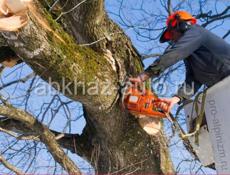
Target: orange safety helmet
{"x":173,"y":21}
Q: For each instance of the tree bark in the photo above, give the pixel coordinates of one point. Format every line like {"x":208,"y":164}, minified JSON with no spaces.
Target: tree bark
{"x":112,"y":140}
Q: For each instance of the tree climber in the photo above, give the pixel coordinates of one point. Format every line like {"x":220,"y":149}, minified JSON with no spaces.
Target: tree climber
{"x":206,"y":56}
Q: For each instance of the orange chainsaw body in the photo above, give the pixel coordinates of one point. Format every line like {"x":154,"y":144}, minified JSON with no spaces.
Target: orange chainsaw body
{"x":143,"y":103}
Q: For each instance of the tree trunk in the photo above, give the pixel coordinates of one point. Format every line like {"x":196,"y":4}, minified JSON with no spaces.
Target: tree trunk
{"x":112,"y":140}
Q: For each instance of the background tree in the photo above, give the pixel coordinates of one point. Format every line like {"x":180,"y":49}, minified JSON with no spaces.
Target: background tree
{"x":86,"y":46}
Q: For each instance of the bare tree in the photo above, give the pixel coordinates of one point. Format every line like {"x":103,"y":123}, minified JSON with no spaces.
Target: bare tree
{"x":112,"y":140}
{"x":146,"y":19}
{"x":82,"y":46}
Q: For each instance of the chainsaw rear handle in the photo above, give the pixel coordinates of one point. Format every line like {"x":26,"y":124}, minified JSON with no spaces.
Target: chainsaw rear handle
{"x":165,"y":108}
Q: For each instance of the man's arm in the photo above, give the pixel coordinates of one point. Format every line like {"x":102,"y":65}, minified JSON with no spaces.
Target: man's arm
{"x":184,"y":47}
{"x":189,"y":88}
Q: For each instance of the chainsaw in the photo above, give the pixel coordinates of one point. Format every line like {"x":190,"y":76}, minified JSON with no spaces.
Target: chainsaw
{"x":146,"y":103}
{"x":143,"y":102}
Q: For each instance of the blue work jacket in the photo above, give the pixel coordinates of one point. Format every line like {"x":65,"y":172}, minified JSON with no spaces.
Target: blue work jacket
{"x":206,"y":57}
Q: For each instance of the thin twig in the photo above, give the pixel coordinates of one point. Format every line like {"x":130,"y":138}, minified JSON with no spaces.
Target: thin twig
{"x":21,"y":137}
{"x":150,"y":56}
{"x":69,"y":11}
{"x":169,"y":4}
{"x":226,"y":35}
{"x":54,"y":4}
{"x":22,"y":80}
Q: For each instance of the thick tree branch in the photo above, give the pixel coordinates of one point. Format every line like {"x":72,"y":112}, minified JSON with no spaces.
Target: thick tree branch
{"x":47,"y":137}
{"x":10,"y":166}
{"x":87,"y":14}
{"x":79,"y":144}
{"x":117,"y":140}
{"x":94,"y":11}
{"x":91,"y":26}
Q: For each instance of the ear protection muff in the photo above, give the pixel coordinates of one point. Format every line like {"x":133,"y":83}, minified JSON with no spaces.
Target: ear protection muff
{"x":182,"y":26}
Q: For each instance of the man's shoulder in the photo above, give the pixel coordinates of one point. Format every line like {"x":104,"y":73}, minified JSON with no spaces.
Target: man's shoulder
{"x":201,"y":30}
{"x":194,"y":34}
{"x":198,"y":28}
{"x":197,"y":31}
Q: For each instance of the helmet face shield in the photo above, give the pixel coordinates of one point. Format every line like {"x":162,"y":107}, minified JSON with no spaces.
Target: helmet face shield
{"x":167,"y":33}
{"x":166,"y":36}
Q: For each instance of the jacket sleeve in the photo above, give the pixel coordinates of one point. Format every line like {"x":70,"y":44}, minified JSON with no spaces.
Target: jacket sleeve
{"x":190,"y":86}
{"x":185,"y":46}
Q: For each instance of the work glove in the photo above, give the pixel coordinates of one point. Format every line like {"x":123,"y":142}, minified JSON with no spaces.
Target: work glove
{"x":168,"y":103}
